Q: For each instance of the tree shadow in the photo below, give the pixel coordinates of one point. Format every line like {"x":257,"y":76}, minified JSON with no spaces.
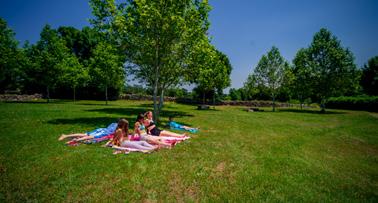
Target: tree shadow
{"x":26,"y":102}
{"x":151,"y":106}
{"x":93,"y":121}
{"x":127,"y":112}
{"x":90,"y":104}
{"x":309,"y":111}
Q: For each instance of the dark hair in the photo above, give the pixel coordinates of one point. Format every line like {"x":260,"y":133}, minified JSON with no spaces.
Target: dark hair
{"x":146,"y":114}
{"x":123,"y":125}
{"x":140,"y":116}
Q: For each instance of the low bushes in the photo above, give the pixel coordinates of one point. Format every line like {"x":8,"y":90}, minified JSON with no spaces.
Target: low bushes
{"x":368,"y":103}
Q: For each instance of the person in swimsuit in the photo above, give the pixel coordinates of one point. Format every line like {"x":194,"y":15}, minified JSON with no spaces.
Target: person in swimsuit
{"x":140,"y":132}
{"x":121,"y":141}
{"x":177,"y":126}
{"x":94,"y":134}
{"x":154,"y":130}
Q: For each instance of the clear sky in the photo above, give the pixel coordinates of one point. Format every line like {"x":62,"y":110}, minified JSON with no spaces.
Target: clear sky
{"x":242,"y":29}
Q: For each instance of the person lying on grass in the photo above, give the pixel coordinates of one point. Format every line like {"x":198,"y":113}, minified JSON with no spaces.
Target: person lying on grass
{"x":94,"y":134}
{"x":155,"y":131}
{"x":121,"y":141}
{"x":177,"y":126}
{"x":140,"y":134}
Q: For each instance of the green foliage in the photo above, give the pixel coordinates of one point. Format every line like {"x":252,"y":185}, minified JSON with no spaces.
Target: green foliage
{"x":211,"y":70}
{"x":12,"y":59}
{"x":235,"y":94}
{"x":354,"y":103}
{"x":74,"y":73}
{"x":269,"y":74}
{"x":48,"y":57}
{"x":157,"y":37}
{"x":106,"y":66}
{"x":303,"y":87}
{"x":81,"y":42}
{"x":369,"y":78}
{"x":327,"y":66}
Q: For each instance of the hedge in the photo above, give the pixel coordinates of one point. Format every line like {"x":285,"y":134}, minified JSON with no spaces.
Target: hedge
{"x":367,"y":103}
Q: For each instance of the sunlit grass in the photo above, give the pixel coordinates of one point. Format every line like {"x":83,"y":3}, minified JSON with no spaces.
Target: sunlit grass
{"x":289,"y":155}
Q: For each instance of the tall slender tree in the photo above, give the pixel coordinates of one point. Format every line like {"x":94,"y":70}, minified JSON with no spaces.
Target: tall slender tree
{"x":107,"y":67}
{"x":47,"y":57}
{"x":302,"y":71}
{"x":269,"y":73}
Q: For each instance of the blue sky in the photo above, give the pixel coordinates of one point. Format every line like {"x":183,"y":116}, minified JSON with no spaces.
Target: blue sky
{"x":242,"y":29}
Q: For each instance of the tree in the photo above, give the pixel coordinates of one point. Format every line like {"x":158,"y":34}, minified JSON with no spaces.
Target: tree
{"x":235,"y":94}
{"x":81,"y":42}
{"x":209,"y":69}
{"x":302,"y":84}
{"x":74,"y":73}
{"x":269,"y":73}
{"x":332,"y":68}
{"x":107,"y":67}
{"x":369,"y":79}
{"x":46,"y":57}
{"x":251,"y":87}
{"x":11,"y":59}
{"x":156,"y":36}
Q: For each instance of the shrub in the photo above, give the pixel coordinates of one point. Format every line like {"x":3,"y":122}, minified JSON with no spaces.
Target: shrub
{"x":367,"y":103}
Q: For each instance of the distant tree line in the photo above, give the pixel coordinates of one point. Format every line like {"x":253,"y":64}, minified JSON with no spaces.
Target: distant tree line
{"x":324,"y":69}
{"x":63,"y":63}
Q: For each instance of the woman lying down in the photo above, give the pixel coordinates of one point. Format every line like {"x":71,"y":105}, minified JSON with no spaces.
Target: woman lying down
{"x":121,"y":141}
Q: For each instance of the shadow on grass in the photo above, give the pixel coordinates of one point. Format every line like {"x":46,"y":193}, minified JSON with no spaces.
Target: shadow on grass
{"x":308,"y":111}
{"x":133,"y":112}
{"x":100,"y":122}
{"x":90,"y":104}
{"x":26,"y":102}
{"x":151,"y":106}
{"x":38,"y":102}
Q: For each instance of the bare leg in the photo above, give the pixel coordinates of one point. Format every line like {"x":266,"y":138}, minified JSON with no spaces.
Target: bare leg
{"x":88,"y":137}
{"x":171,"y":134}
{"x":63,"y":136}
{"x":157,"y":140}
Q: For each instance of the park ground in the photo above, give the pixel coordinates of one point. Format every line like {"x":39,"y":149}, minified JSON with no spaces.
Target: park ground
{"x":289,"y":155}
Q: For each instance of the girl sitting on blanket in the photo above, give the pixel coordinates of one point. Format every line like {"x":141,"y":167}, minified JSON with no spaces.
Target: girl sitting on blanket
{"x":176,"y":126}
{"x":121,"y":141}
{"x":140,"y":134}
{"x":154,"y":130}
{"x":99,"y":134}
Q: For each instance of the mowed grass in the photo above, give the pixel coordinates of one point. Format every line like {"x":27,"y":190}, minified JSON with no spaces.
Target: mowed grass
{"x":289,"y":155}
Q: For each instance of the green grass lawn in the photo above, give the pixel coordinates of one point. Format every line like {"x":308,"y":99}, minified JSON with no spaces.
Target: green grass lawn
{"x":289,"y":155}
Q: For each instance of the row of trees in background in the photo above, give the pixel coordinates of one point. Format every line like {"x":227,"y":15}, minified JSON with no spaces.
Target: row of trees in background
{"x":162,"y":44}
{"x":60,"y":62}
{"x":325,"y":69}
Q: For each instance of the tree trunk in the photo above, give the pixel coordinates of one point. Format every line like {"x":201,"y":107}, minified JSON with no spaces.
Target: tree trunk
{"x":106,"y":94}
{"x":74,"y":94}
{"x":322,"y":105}
{"x":214,"y":98}
{"x":155,"y":99}
{"x":203,"y":98}
{"x":274,"y":105}
{"x":48,"y":94}
{"x":161,"y":104}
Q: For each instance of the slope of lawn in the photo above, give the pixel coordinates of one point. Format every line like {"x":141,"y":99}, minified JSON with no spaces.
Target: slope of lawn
{"x":289,"y":155}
